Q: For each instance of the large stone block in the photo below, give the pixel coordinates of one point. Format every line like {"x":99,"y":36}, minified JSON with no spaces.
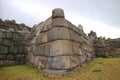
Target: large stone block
{"x":74,"y":61}
{"x":21,"y":49}
{"x":89,"y":56}
{"x":58,"y":63}
{"x":13,"y":49}
{"x":47,"y":24}
{"x":30,"y":58}
{"x":43,"y":37}
{"x":83,"y":58}
{"x":10,"y":62}
{"x":2,"y":34}
{"x":22,"y":43}
{"x":44,"y":26}
{"x":3,"y":49}
{"x":43,"y":50}
{"x":60,"y":22}
{"x":2,"y":57}
{"x":76,"y":48}
{"x":32,"y":48}
{"x":2,"y":63}
{"x":10,"y":57}
{"x":6,"y":42}
{"x":1,"y":41}
{"x":74,"y":36}
{"x":9,"y":35}
{"x":42,"y":62}
{"x":58,"y":13}
{"x":20,"y":58}
{"x":58,"y":33}
{"x":15,"y":36}
{"x":77,"y":30}
{"x":36,"y":60}
{"x":60,"y":47}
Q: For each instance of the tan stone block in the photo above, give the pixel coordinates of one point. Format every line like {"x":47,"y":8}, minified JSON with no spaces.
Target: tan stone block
{"x":36,"y":60}
{"x":83,"y":59}
{"x":44,"y":26}
{"x":57,"y":13}
{"x":74,"y":61}
{"x":42,"y":62}
{"x":30,"y":57}
{"x":59,"y":62}
{"x":60,"y":22}
{"x":43,"y":50}
{"x":60,"y":47}
{"x":74,"y":36}
{"x":75,"y":48}
{"x":2,"y":34}
{"x":43,"y":37}
{"x":58,"y":33}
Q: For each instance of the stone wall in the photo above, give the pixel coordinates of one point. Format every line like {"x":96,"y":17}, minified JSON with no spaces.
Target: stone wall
{"x":57,"y":44}
{"x":107,"y":47}
{"x":13,"y":43}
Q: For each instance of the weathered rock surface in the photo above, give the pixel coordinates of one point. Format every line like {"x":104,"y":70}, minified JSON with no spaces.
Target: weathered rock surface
{"x":57,"y":44}
{"x":107,"y":47}
{"x":13,"y":42}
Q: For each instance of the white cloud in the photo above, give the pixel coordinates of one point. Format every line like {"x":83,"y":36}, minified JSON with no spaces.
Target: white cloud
{"x":41,"y":10}
{"x":100,"y":28}
{"x":31,"y":8}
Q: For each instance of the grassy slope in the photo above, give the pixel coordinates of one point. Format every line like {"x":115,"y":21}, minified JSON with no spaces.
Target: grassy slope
{"x":98,"y":69}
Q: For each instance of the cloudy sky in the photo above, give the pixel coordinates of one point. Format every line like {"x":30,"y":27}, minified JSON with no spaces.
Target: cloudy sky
{"x":101,"y":16}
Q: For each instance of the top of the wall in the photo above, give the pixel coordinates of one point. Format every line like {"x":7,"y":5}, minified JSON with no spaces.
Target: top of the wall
{"x":11,"y":25}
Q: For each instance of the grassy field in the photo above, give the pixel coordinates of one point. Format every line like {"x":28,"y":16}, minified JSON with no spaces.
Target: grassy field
{"x":98,"y":69}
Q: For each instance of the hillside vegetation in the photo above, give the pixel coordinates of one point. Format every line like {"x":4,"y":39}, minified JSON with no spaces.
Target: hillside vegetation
{"x":98,"y":69}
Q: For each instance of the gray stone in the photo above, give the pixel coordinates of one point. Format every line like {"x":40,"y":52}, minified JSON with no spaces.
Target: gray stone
{"x":20,"y":57}
{"x":2,"y":34}
{"x":58,"y":13}
{"x":75,"y":47}
{"x":2,"y":57}
{"x":82,"y":59}
{"x":74,"y":61}
{"x":60,"y":47}
{"x":58,"y":33}
{"x":6,"y":42}
{"x":43,"y":50}
{"x":58,"y":63}
{"x":74,"y":36}
{"x":13,"y":49}
{"x":60,"y":22}
{"x":42,"y":62}
{"x":1,"y":41}
{"x":15,"y":36}
{"x":10,"y":62}
{"x":10,"y":57}
{"x":9,"y":35}
{"x":55,"y":71}
{"x":21,"y":49}
{"x":47,"y":25}
{"x":43,"y":37}
{"x":30,"y":58}
{"x":3,"y":49}
{"x":36,"y":60}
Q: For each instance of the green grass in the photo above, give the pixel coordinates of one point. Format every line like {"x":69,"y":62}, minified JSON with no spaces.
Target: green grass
{"x":98,"y":69}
